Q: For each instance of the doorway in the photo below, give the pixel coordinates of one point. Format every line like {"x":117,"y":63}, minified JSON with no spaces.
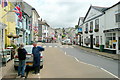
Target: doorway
{"x":91,"y":41}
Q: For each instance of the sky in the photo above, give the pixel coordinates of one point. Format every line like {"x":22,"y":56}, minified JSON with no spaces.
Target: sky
{"x":65,"y":13}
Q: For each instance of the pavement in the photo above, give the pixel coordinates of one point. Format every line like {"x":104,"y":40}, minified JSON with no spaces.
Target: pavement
{"x":108,"y":55}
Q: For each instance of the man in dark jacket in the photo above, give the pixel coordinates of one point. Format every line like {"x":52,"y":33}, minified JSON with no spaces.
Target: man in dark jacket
{"x":22,"y":63}
{"x":36,"y":60}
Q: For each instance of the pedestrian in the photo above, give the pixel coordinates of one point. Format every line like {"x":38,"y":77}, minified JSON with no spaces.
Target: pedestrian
{"x":22,"y":63}
{"x":36,"y":57}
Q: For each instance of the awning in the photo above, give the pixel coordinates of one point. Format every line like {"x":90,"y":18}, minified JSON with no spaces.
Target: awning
{"x":2,"y":25}
{"x":111,"y":30}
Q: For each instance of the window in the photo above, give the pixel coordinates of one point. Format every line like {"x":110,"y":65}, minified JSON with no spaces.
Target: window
{"x":110,"y":40}
{"x":94,"y":41}
{"x":117,"y":17}
{"x":97,"y":24}
{"x":119,"y":43}
{"x":86,"y":27}
{"x":101,"y":39}
{"x":91,"y":25}
{"x":18,"y":23}
{"x":97,"y":39}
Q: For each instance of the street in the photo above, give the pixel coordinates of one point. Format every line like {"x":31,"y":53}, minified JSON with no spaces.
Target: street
{"x":66,"y":61}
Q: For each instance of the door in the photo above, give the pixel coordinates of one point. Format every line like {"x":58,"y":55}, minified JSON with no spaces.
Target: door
{"x":80,"y":40}
{"x":91,"y":41}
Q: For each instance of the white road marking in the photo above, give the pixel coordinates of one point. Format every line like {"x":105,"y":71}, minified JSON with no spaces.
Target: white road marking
{"x":76,"y":59}
{"x":55,"y":46}
{"x":50,"y":46}
{"x":65,"y":53}
{"x":44,"y":46}
{"x":109,"y":72}
{"x":71,"y":47}
{"x":100,"y":68}
{"x":61,"y":46}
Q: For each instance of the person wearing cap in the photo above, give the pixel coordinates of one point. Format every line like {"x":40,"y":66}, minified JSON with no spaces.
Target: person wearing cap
{"x":36,"y":57}
{"x":22,"y":63}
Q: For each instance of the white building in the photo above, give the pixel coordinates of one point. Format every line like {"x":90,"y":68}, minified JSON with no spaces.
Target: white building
{"x":34,"y":33}
{"x":93,"y":27}
{"x":45,"y":31}
{"x":112,"y":28}
{"x":101,"y":26}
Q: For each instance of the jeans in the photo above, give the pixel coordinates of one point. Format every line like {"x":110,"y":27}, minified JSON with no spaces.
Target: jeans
{"x":21,"y":67}
{"x":37,"y":69}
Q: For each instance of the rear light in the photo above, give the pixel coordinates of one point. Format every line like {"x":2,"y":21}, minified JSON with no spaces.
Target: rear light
{"x":29,"y":54}
{"x":41,"y":56}
{"x":16,"y":56}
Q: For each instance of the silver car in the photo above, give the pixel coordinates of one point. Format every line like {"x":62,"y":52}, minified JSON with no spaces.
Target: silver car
{"x":67,"y":41}
{"x":29,"y":58}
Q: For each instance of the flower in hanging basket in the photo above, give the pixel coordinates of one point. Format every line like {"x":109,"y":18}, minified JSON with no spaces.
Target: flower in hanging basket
{"x":90,"y":30}
{"x":96,"y":30}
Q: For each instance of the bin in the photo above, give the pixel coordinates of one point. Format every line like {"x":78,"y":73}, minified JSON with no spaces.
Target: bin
{"x":101,"y":48}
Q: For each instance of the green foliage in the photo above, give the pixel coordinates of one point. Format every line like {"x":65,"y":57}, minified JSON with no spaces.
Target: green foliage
{"x":63,"y":36}
{"x":14,"y":46}
{"x":76,"y":26}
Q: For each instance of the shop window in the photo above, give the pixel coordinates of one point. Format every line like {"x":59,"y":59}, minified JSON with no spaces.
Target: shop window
{"x":97,"y":41}
{"x":111,"y":40}
{"x":117,"y":17}
{"x":101,"y":39}
{"x":94,"y":41}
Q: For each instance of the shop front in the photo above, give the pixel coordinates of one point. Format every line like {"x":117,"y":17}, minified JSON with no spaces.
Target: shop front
{"x":112,"y":40}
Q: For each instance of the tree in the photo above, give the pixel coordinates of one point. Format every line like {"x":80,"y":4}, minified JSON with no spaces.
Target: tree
{"x":76,"y":26}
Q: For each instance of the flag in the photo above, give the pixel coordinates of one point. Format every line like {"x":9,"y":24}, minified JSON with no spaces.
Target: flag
{"x":4,"y":3}
{"x":18,"y":12}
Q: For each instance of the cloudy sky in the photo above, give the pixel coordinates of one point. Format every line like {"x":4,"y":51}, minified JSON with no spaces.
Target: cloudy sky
{"x":65,"y":13}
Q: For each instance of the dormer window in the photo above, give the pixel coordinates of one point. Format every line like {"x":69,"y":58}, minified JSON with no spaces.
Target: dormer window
{"x":117,"y":16}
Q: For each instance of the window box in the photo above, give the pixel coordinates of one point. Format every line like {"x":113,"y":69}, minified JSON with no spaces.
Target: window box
{"x":90,"y":30}
{"x":87,"y":44}
{"x":96,"y":30}
{"x":86,"y":32}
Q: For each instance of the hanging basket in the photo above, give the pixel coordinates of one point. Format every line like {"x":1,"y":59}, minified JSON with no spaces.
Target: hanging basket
{"x":20,"y":35}
{"x":9,"y":36}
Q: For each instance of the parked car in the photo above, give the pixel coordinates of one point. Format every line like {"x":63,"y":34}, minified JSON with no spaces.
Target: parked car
{"x":66,"y":41}
{"x":29,"y":58}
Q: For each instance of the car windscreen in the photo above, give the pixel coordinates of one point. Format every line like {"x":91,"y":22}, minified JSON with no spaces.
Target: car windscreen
{"x":28,"y":49}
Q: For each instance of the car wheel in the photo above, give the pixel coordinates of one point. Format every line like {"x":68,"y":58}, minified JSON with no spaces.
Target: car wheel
{"x":41,"y":67}
{"x":16,"y":68}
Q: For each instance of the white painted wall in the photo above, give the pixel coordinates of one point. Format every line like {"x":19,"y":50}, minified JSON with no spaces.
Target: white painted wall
{"x":110,"y":18}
